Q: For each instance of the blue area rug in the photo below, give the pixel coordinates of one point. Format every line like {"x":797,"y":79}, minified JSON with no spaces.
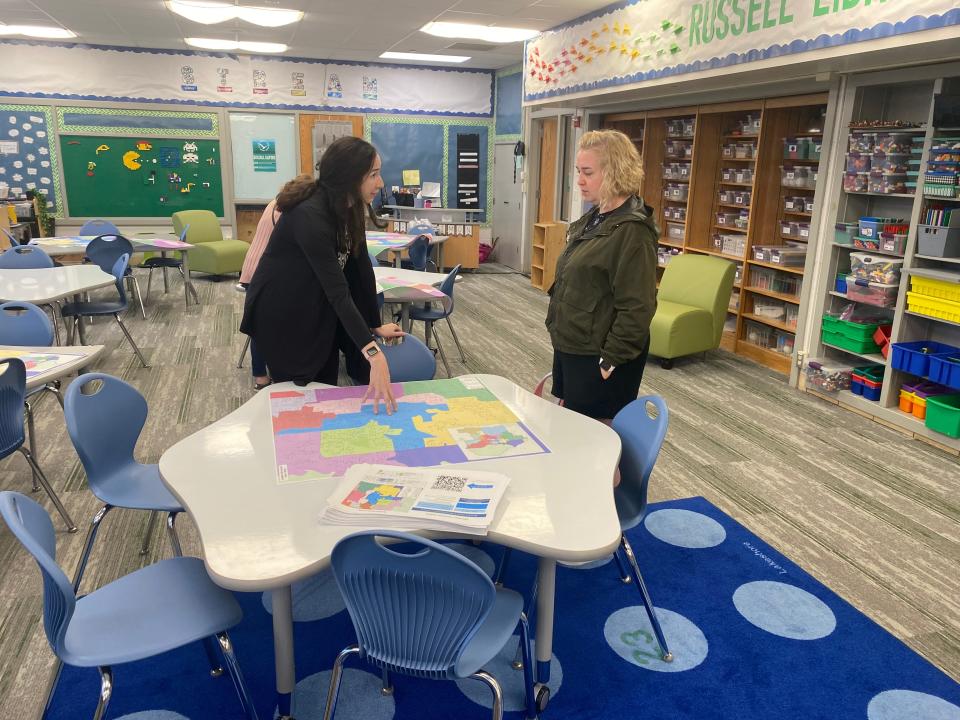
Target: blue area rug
{"x":754,"y":637}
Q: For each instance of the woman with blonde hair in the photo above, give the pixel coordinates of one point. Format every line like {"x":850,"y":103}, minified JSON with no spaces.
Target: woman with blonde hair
{"x":604,"y":292}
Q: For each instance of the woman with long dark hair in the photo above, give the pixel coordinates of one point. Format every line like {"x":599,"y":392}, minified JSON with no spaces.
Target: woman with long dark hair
{"x":313,"y":293}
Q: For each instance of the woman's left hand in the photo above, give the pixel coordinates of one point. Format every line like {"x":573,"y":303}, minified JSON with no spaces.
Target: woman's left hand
{"x":390,"y":330}
{"x":605,"y":374}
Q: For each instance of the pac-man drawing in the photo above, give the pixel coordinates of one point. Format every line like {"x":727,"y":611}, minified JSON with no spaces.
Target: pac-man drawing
{"x":130,"y":160}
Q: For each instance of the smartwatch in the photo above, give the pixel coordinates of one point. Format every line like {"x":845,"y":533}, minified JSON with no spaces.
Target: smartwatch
{"x":372,"y":351}
{"x":606,"y":365}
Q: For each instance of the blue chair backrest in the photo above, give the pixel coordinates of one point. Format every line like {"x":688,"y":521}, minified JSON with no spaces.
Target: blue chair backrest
{"x":183,"y":235}
{"x":13,"y":388}
{"x":420,"y":227}
{"x":410,"y":360}
{"x":13,"y":241}
{"x":98,"y":227}
{"x":31,"y":525}
{"x":418,"y":251}
{"x":104,"y":425}
{"x":25,"y":257}
{"x":23,"y":323}
{"x":413,"y":611}
{"x":641,"y":435}
{"x":446,"y":287}
{"x":118,"y":270}
{"x":104,"y":250}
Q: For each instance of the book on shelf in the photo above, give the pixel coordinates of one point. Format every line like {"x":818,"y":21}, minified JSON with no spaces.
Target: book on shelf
{"x":416,"y":498}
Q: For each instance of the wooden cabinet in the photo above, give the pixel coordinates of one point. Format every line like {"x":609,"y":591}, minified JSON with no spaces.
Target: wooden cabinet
{"x":462,"y":246}
{"x":548,"y":242}
{"x":248,"y":217}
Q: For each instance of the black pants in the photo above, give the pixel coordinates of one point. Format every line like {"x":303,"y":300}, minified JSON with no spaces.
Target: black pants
{"x":578,"y":382}
{"x":357,"y":366}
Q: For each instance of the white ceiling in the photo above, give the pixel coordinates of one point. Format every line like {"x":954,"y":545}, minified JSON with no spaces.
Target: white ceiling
{"x":357,"y":30}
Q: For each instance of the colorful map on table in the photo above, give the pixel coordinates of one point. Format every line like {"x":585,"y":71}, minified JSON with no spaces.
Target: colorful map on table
{"x":39,"y":363}
{"x":377,"y":241}
{"x":320,"y":433}
{"x":385,"y":284}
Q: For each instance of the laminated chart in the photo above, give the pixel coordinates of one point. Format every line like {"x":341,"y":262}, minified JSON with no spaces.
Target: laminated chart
{"x":322,"y":432}
{"x":38,"y":363}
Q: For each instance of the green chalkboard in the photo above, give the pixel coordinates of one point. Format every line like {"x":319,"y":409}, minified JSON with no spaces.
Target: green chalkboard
{"x":147,"y":177}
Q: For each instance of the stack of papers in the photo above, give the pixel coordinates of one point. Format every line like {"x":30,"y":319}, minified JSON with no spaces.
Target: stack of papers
{"x":405,"y":498}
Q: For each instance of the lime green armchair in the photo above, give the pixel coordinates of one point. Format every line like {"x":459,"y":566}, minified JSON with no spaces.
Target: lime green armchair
{"x":691,"y":306}
{"x":211,"y":253}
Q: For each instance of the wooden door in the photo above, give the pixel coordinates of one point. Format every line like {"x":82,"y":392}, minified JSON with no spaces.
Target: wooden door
{"x":548,"y":170}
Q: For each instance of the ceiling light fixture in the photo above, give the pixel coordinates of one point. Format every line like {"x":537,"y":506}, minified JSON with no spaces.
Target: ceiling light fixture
{"x":254,"y":47}
{"x":208,"y":12}
{"x":37,"y":31}
{"x":488,"y":33}
{"x":424,"y":56}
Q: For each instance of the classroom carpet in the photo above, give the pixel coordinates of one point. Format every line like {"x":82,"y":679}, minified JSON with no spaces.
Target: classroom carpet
{"x":754,"y":637}
{"x":871,"y":513}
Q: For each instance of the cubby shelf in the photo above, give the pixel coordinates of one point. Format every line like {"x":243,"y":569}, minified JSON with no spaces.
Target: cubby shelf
{"x":770,"y":293}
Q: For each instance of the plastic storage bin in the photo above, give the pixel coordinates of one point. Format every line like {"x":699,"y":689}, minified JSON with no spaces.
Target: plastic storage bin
{"x":844,"y":233}
{"x":943,"y":415}
{"x":758,"y":334}
{"x":867,"y":381}
{"x":848,"y":335}
{"x":871,"y":227}
{"x":945,"y":369}
{"x":893,"y":243}
{"x":808,"y":205}
{"x":858,"y":162}
{"x":828,"y":377}
{"x":938,"y":241}
{"x":871,"y":293}
{"x":875,"y":268}
{"x":934,"y":307}
{"x":864,"y":142}
{"x":794,"y":203}
{"x":914,"y":357}
{"x":893,"y":142}
{"x":932,"y":287}
{"x":675,"y":231}
{"x":856,"y":182}
{"x":742,"y":197}
{"x":913,"y":397}
{"x":889,"y":163}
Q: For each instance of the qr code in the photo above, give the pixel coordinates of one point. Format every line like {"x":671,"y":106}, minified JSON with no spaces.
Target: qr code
{"x":447,"y":482}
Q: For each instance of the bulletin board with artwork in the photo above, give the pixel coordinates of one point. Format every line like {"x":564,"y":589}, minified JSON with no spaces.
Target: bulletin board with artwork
{"x":28,"y":158}
{"x":126,"y":176}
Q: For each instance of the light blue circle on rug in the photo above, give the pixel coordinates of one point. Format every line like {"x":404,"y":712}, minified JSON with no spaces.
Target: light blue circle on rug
{"x":685,"y":528}
{"x":630,"y":635}
{"x":511,"y":681}
{"x":154,"y":715}
{"x":900,"y":704}
{"x":475,"y":555}
{"x":784,"y":610}
{"x":315,"y":598}
{"x":359,"y":697}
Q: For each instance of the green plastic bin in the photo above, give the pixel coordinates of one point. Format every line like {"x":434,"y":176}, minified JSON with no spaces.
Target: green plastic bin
{"x":943,"y":414}
{"x":855,"y":337}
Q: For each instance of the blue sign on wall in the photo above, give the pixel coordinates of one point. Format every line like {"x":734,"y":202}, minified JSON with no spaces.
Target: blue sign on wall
{"x":264,"y":155}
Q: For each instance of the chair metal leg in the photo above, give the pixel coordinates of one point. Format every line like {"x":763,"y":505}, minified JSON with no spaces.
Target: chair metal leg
{"x":116,"y":316}
{"x":71,"y":525}
{"x":463,"y":358}
{"x":335,"y":676}
{"x":624,"y":573}
{"x":528,"y":611}
{"x":81,"y":333}
{"x":32,"y":439}
{"x":491,"y":682}
{"x":443,"y":355}
{"x":132,"y":281}
{"x":88,"y":546}
{"x":502,"y":567}
{"x":524,"y":646}
{"x":243,"y":353}
{"x":385,"y":688}
{"x":54,"y":389}
{"x":145,"y":543}
{"x":106,"y":692}
{"x":243,"y":692}
{"x":665,"y":653}
{"x":210,"y":648}
{"x":172,"y":535}
{"x":149,"y":280}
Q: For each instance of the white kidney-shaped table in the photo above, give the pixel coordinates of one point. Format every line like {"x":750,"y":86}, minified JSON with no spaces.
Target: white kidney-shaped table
{"x":259,"y":535}
{"x":43,"y":286}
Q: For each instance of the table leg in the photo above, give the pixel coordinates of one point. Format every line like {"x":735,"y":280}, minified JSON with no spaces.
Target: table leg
{"x":283,"y":649}
{"x":405,"y":322}
{"x":439,"y":257}
{"x":397,"y":260}
{"x":188,"y":288}
{"x":547,"y":575}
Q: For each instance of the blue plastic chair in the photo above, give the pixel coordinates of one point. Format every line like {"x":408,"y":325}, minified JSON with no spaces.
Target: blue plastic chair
{"x":78,"y":310}
{"x":104,"y":250}
{"x":14,"y":242}
{"x":23,"y":323}
{"x":410,"y":360}
{"x":13,"y":386}
{"x":426,"y":612}
{"x":156,"y":609}
{"x":430,"y":314}
{"x":105,"y":417}
{"x":25,"y":257}
{"x":642,"y":426}
{"x":417,"y":252}
{"x":98,"y":227}
{"x":158,"y":261}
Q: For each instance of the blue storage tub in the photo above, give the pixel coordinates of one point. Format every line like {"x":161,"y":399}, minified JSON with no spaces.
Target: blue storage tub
{"x":914,"y":357}
{"x":945,"y":369}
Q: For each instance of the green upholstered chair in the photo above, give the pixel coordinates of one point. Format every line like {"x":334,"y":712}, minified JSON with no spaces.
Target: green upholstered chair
{"x":211,"y":254}
{"x":691,"y":306}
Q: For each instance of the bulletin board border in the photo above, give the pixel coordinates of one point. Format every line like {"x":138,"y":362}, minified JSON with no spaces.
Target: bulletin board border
{"x":159,"y":131}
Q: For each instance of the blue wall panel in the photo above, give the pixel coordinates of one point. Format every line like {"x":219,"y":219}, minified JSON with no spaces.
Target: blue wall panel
{"x":509,"y":89}
{"x":405,"y":146}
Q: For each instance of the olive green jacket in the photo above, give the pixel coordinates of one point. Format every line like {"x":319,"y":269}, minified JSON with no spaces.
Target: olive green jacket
{"x":604,"y":292}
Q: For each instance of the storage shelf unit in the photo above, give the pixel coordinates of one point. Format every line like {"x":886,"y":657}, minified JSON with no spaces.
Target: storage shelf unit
{"x":725,"y":155}
{"x":548,"y":242}
{"x":908,"y":96}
